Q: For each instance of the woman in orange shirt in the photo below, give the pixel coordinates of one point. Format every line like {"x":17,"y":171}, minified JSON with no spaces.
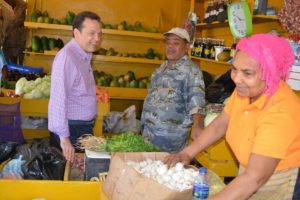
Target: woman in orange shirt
{"x":261,"y":122}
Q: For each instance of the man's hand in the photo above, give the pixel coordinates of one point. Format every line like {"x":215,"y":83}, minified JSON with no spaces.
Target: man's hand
{"x":102,"y":95}
{"x":67,"y":148}
{"x":198,"y":125}
{"x":195,"y":133}
{"x":172,"y":159}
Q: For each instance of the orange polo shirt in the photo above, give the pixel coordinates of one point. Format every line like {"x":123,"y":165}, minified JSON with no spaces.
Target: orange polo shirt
{"x":269,"y":127}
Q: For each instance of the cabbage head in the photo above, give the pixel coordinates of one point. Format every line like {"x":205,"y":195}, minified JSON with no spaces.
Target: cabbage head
{"x":20,"y":86}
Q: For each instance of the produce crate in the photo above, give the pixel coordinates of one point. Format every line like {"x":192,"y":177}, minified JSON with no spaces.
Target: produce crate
{"x":223,"y":168}
{"x":51,"y":190}
{"x":219,"y":159}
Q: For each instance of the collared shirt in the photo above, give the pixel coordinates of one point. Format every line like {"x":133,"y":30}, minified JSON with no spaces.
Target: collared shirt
{"x":176,"y":93}
{"x":269,"y":127}
{"x":72,"y":93}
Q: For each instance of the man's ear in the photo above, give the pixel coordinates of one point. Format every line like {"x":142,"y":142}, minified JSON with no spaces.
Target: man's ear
{"x":76,"y":32}
{"x":187,"y":46}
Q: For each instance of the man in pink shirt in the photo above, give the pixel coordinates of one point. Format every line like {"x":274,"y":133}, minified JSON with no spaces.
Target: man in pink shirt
{"x":73,"y":106}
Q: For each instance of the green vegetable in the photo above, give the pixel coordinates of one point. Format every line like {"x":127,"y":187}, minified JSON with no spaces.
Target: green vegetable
{"x":6,"y":84}
{"x":128,"y":142}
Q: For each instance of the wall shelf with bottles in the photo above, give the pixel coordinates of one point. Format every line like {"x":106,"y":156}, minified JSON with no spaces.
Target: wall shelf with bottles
{"x":34,"y":25}
{"x":103,"y":58}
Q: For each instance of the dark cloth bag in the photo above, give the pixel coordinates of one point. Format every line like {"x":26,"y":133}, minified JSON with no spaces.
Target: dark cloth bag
{"x":10,"y":123}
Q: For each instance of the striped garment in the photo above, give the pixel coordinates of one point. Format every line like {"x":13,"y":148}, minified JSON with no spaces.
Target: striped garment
{"x":280,"y":186}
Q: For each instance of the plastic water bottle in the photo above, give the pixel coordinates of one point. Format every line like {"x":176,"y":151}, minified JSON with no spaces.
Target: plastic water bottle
{"x":201,"y":185}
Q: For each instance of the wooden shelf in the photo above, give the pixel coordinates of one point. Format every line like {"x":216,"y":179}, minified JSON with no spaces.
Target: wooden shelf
{"x":211,"y":60}
{"x":212,"y":25}
{"x":158,"y":36}
{"x":126,"y":93}
{"x":103,"y":58}
{"x":264,"y":18}
{"x":35,"y":25}
{"x":125,"y":59}
{"x":267,"y":17}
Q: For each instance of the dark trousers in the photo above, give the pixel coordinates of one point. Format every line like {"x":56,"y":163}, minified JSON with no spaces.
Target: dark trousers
{"x":77,"y":128}
{"x":296,"y":195}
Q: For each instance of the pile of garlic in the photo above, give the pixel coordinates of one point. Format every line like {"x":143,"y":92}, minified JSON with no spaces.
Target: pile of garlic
{"x":176,"y":178}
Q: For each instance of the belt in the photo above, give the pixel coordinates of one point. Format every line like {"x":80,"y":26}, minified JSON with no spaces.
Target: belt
{"x":80,"y":122}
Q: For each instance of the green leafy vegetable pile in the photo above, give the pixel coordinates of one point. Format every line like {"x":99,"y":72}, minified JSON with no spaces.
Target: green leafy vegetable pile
{"x":128,"y":142}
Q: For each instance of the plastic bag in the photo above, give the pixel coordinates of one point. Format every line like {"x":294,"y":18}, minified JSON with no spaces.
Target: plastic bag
{"x":42,"y":160}
{"x":13,"y":170}
{"x":49,"y":164}
{"x":10,"y":123}
{"x":119,"y":122}
{"x":216,"y":184}
{"x":7,"y":149}
{"x":220,"y":90}
{"x":35,"y":123}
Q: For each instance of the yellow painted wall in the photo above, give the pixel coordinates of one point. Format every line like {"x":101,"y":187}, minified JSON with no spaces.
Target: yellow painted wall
{"x":163,"y":14}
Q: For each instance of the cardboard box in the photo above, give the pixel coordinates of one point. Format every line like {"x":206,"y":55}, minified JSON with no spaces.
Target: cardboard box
{"x":124,"y":182}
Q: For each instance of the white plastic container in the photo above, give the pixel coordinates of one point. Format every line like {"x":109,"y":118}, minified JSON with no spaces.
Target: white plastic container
{"x":294,"y":77}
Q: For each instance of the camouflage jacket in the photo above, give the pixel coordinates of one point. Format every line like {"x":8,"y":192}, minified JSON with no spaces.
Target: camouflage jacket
{"x":174,"y":96}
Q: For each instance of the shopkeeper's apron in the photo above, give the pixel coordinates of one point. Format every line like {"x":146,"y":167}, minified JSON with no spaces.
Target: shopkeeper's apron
{"x":281,"y":186}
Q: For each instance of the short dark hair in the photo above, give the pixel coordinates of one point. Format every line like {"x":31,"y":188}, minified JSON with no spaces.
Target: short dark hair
{"x":80,"y":17}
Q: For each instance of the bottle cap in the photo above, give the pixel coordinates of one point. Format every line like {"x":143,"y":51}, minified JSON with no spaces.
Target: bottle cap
{"x":202,"y":170}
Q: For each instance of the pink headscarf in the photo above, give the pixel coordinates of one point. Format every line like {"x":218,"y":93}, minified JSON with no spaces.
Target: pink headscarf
{"x":273,"y":53}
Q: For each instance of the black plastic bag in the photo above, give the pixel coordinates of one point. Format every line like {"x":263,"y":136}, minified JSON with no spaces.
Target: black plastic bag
{"x":42,"y":161}
{"x":7,"y":150}
{"x":221,"y":89}
{"x":49,"y":164}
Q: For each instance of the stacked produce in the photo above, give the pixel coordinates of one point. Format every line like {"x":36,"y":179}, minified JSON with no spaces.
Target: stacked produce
{"x":176,"y":178}
{"x":125,"y":26}
{"x":41,"y":44}
{"x":43,"y":17}
{"x":127,"y":80}
{"x":150,"y":54}
{"x":37,"y":89}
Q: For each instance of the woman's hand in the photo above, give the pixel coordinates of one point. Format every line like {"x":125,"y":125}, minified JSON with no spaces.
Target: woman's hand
{"x":172,"y":159}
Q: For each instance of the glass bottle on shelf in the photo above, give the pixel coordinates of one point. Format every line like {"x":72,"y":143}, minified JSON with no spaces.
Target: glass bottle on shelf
{"x":197,"y":47}
{"x":222,"y":42}
{"x":200,"y":47}
{"x":193,"y":51}
{"x":206,"y":53}
{"x":212,"y":48}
